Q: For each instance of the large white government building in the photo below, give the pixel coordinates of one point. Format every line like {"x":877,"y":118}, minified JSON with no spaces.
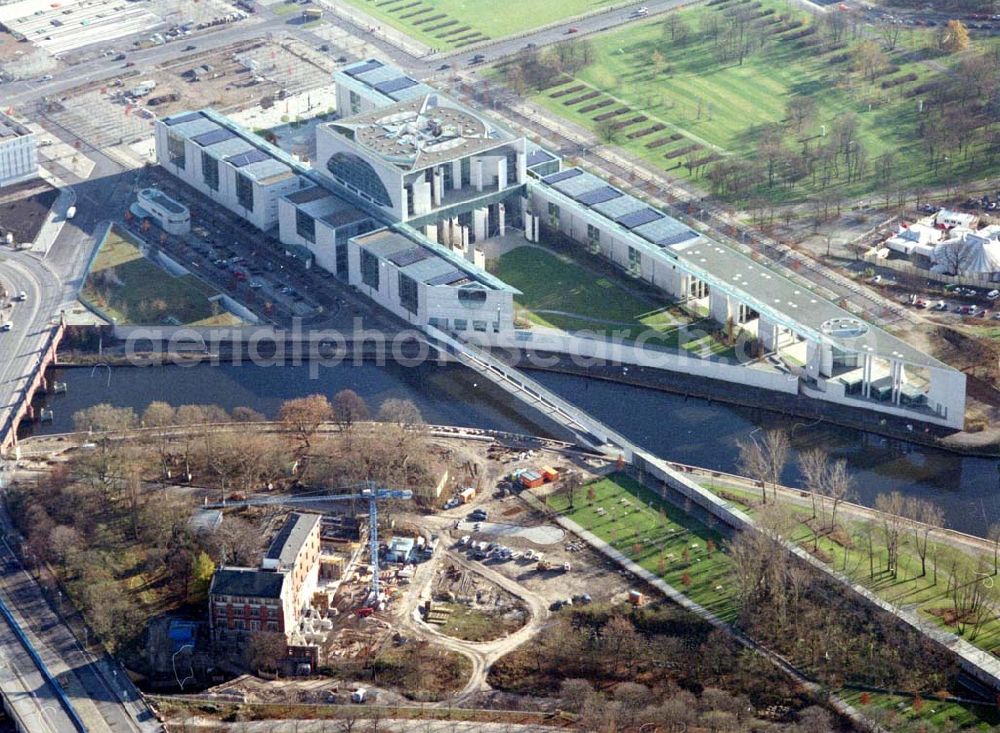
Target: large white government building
{"x":18,"y":152}
{"x":411,"y":190}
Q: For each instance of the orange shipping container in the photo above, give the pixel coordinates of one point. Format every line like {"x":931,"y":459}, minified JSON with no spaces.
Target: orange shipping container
{"x":531,"y":479}
{"x":549,"y":473}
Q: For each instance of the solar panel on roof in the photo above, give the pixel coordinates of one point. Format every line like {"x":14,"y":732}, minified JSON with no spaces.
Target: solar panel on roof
{"x":370,"y":65}
{"x":638,"y":218}
{"x":189,"y":117}
{"x":677,"y":238}
{"x":563,"y":175}
{"x":395,"y":85}
{"x":251,"y":156}
{"x":598,"y":195}
{"x":448,"y":278}
{"x":5,"y":131}
{"x":213,"y":137}
{"x":409,"y":257}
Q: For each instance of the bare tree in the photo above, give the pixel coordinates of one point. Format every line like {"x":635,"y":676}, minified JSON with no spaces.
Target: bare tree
{"x":265,"y":650}
{"x":348,"y":408}
{"x":304,"y":415}
{"x":892,"y":521}
{"x":838,"y":487}
{"x":813,"y":465}
{"x":801,"y":109}
{"x":401,"y":412}
{"x":925,"y":517}
{"x":868,"y":530}
{"x":158,"y":415}
{"x":889,"y":31}
{"x":753,"y":464}
{"x":247,"y":414}
{"x":775,"y":447}
{"x":575,"y":693}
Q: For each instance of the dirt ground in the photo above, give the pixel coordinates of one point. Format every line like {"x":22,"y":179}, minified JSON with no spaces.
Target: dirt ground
{"x":590,"y":573}
{"x":514,"y":525}
{"x":23,"y":208}
{"x":241,"y":75}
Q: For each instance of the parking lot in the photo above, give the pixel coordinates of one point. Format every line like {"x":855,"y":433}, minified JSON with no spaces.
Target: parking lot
{"x":933,"y":298}
{"x":253,"y":268}
{"x":102,"y":119}
{"x":541,"y":556}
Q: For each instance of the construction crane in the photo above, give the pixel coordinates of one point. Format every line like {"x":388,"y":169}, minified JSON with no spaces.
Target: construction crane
{"x":368,"y":491}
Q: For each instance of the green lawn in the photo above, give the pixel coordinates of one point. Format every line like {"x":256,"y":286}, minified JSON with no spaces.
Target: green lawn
{"x":588,"y":301}
{"x":132,"y":289}
{"x":448,"y":24}
{"x":719,"y":107}
{"x":909,"y":588}
{"x":656,"y":535}
{"x":898,"y":711}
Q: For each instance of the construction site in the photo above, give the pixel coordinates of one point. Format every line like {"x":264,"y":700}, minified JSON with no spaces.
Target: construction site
{"x":239,"y":76}
{"x":391,"y":591}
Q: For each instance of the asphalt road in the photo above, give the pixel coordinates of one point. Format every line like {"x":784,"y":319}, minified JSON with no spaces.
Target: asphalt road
{"x":33,"y":699}
{"x":31,"y":322}
{"x":93,"y":692}
{"x":264,"y":23}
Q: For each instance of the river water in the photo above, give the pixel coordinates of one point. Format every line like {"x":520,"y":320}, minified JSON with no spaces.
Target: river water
{"x":687,"y":430}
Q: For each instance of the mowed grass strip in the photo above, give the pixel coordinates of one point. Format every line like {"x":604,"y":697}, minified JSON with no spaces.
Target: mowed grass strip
{"x":515,"y":16}
{"x":656,"y":535}
{"x":907,"y":711}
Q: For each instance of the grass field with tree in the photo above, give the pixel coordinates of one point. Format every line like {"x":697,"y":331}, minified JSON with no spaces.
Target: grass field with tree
{"x":946,"y":585}
{"x":717,"y":571}
{"x":757,"y":99}
{"x":131,"y":288}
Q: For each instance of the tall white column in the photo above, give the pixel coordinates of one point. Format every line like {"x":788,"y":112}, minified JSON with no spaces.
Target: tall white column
{"x":438,"y":189}
{"x":480,"y":220}
{"x":477,"y":174}
{"x":767,"y":332}
{"x":456,"y":174}
{"x":720,"y":306}
{"x":502,"y":216}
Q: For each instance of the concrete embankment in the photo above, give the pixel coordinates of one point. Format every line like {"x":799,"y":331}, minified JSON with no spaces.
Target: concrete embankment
{"x":252,"y":346}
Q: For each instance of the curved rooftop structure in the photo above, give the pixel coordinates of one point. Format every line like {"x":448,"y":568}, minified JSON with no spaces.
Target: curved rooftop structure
{"x":421,"y":132}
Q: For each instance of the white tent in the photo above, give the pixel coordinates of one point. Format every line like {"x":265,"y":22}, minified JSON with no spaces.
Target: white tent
{"x":968,"y":254}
